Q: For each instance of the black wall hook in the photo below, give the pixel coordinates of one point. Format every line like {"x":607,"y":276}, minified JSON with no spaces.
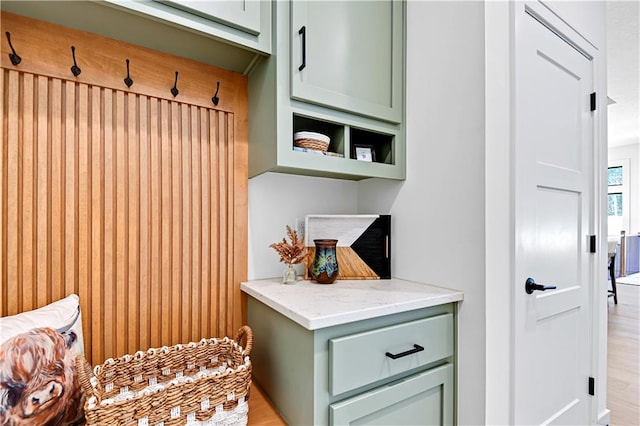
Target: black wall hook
{"x":14,"y":57}
{"x":75,"y":69}
{"x":174,"y":89}
{"x":128,"y":80}
{"x":215,"y":98}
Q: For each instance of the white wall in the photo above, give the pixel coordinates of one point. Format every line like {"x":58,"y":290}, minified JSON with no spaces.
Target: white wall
{"x":276,"y":200}
{"x":500,"y":249}
{"x":438,"y":212}
{"x":632,"y":153}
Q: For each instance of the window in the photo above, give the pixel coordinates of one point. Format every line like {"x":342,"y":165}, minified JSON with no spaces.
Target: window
{"x":615,"y":176}
{"x":617,"y":201}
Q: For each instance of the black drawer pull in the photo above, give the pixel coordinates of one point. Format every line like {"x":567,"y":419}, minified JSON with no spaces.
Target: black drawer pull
{"x":416,"y":349}
{"x":303,"y":33}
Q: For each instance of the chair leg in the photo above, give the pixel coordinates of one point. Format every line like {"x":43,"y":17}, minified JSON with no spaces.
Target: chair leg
{"x":612,"y":275}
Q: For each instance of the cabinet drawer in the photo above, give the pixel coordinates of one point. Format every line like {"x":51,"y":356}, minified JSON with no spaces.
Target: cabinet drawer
{"x":424,"y":398}
{"x":360,"y":359}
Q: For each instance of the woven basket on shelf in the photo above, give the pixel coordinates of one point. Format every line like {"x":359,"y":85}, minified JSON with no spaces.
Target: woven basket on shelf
{"x":311,"y":140}
{"x":208,"y":381}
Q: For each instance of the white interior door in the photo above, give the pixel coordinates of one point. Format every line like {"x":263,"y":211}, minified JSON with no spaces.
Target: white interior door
{"x":553,"y":193}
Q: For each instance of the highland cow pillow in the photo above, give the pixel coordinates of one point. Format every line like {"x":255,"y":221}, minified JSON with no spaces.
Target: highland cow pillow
{"x":38,"y":382}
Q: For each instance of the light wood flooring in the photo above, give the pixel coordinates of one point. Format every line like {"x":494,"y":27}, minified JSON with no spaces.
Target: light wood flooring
{"x":261,"y":412}
{"x":623,"y":378}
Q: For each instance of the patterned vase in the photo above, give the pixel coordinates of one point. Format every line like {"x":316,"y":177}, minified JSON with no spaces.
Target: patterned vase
{"x":325,"y":262}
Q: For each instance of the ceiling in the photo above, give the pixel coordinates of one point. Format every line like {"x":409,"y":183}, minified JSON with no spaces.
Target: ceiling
{"x":623,"y":71}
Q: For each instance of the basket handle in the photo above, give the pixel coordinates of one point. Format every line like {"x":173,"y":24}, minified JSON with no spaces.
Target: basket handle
{"x":245,"y":331}
{"x":84,"y":374}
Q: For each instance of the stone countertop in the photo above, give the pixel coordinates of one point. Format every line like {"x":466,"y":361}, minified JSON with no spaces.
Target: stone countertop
{"x":316,"y":306}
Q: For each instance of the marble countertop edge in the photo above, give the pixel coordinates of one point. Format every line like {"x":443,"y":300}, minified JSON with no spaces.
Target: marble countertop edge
{"x":348,"y":302}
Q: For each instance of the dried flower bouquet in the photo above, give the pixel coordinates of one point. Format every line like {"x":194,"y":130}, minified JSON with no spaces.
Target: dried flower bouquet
{"x":292,"y":252}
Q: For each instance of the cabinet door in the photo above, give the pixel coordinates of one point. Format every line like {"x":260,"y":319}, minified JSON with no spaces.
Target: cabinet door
{"x":349,"y":55}
{"x":425,"y":398}
{"x":242,"y":14}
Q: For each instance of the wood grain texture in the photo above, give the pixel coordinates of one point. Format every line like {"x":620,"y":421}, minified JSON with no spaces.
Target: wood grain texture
{"x":623,"y":359}
{"x":261,"y":411}
{"x":133,"y":200}
{"x":350,"y":265}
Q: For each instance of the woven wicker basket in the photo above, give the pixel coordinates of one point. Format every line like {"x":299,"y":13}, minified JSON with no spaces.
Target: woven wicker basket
{"x":207,"y":382}
{"x":311,"y":140}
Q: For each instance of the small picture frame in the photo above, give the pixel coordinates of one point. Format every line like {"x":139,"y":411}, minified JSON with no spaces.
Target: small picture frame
{"x":363,"y":152}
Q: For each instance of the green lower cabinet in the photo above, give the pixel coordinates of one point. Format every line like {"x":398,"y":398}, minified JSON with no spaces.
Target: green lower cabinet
{"x":424,"y":399}
{"x":390,"y":370}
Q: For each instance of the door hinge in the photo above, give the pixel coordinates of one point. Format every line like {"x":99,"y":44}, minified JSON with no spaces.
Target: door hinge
{"x":593,"y":101}
{"x":592,"y":243}
{"x":592,"y":386}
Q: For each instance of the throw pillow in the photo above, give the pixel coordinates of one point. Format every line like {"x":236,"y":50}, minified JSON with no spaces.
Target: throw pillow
{"x":38,"y":380}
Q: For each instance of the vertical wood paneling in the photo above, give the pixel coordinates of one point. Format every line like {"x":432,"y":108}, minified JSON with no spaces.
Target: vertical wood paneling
{"x":13,"y":218}
{"x":185,"y":231}
{"x":43,"y":247}
{"x":176,"y":223}
{"x":83,"y":178}
{"x":144,"y":185}
{"x":3,"y":168}
{"x":155,"y":182}
{"x":133,"y":219}
{"x":121,"y":232}
{"x":128,"y":201}
{"x":69,"y":232}
{"x":56,"y":192}
{"x":205,"y":303}
{"x":196,"y":198}
{"x":28,"y":199}
{"x":214,"y":210}
{"x":110,"y":206}
{"x":223,"y":206}
{"x":165,"y":240}
{"x":94,"y":323}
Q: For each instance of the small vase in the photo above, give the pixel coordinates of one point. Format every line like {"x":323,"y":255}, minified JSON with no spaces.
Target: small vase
{"x":289,"y":275}
{"x":325,"y":262}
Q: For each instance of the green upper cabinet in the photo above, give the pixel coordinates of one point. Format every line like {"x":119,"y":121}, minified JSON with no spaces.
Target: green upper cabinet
{"x":337,"y":68}
{"x":245,"y":23}
{"x":244,"y":15}
{"x":349,"y":55}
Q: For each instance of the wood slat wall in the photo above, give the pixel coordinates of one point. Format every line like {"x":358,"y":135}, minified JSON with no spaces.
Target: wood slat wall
{"x":137,"y":203}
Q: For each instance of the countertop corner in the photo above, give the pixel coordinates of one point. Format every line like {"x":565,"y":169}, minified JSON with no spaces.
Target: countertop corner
{"x":316,"y":306}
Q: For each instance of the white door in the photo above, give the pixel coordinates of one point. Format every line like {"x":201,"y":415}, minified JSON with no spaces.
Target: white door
{"x":553,"y":191}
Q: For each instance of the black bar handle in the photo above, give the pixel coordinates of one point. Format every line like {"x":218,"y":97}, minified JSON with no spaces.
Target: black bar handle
{"x":416,"y":349}
{"x":303,"y":33}
{"x":530,"y":286}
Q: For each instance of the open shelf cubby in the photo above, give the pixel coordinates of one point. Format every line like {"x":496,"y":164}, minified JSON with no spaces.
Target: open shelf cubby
{"x":380,"y":144}
{"x":345,"y":139}
{"x":334,"y":131}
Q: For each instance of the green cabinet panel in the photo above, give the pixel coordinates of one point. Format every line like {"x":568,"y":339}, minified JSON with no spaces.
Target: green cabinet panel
{"x":243,"y":23}
{"x":357,"y":102}
{"x":353,"y":55}
{"x":360,"y":359}
{"x":293,"y":366}
{"x":424,"y":398}
{"x":241,"y":14}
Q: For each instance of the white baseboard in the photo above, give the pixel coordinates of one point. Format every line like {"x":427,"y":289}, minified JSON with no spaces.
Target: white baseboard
{"x":604,"y":418}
